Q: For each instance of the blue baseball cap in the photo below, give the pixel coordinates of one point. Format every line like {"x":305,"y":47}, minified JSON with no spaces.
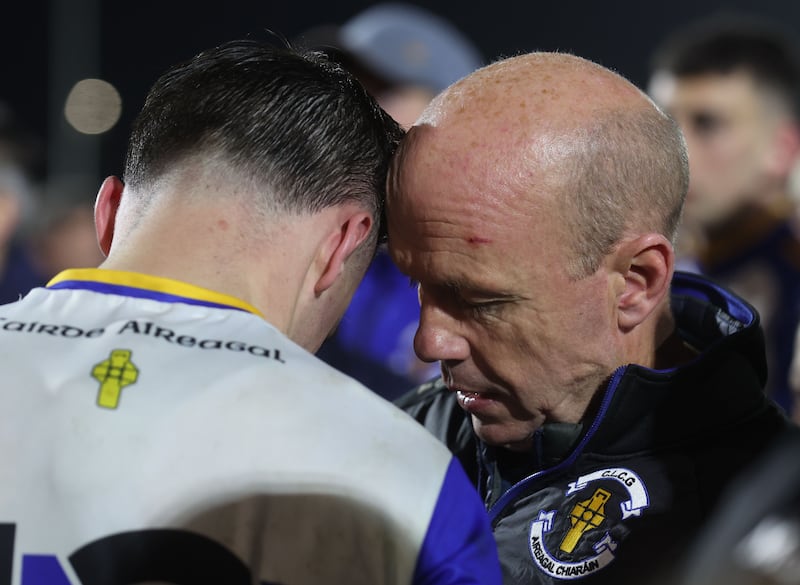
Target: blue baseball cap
{"x":405,"y":44}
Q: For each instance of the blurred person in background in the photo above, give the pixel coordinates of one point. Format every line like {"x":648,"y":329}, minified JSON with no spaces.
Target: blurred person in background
{"x":404,"y":55}
{"x":733,"y":85}
{"x":19,"y":156}
{"x":63,"y":232}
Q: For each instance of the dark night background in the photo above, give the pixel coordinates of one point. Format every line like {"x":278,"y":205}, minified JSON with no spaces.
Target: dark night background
{"x":48,"y":46}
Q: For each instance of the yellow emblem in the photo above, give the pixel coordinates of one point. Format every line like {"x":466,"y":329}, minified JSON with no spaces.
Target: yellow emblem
{"x":584,"y":516}
{"x":114,"y":374}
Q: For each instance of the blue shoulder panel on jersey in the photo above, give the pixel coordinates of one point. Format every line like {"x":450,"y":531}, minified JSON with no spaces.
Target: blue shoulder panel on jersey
{"x":459,"y":547}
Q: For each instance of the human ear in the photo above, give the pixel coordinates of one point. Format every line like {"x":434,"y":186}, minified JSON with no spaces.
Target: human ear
{"x":351,"y":231}
{"x":784,"y":150}
{"x":105,"y":211}
{"x":646,"y":264}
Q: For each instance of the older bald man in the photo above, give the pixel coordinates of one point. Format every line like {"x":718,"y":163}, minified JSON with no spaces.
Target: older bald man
{"x":601,"y":403}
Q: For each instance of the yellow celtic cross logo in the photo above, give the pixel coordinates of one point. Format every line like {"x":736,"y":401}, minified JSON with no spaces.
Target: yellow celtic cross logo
{"x":584,"y":516}
{"x":114,"y":374}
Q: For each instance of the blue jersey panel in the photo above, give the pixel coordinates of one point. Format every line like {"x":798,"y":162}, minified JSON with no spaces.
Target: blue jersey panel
{"x":458,"y":547}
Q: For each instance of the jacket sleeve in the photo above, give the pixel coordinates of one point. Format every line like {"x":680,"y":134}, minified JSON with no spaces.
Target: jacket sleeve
{"x":459,"y":548}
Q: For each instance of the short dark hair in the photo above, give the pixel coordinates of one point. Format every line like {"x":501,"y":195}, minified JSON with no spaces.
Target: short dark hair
{"x":293,"y":121}
{"x":730,"y":42}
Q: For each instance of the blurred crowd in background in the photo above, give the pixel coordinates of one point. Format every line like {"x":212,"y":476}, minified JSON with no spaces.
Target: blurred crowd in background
{"x":45,"y":225}
{"x":732,"y":84}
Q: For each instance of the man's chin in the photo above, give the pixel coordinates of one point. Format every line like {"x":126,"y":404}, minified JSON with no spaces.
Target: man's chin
{"x":498,"y":435}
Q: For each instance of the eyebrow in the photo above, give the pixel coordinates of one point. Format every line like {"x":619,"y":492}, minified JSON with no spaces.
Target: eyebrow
{"x":479,"y":291}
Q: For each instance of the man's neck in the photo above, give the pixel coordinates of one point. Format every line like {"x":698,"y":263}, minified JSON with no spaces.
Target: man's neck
{"x":212,"y":249}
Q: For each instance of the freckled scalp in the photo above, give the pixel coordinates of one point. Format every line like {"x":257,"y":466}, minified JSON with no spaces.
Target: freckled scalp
{"x":553,"y":87}
{"x":558,"y":127}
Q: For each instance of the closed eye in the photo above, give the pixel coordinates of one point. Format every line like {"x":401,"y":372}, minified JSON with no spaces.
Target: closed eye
{"x":483,"y":308}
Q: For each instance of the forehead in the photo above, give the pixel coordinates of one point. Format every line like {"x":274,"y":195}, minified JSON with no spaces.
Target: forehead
{"x":459,"y":210}
{"x":460,"y":173}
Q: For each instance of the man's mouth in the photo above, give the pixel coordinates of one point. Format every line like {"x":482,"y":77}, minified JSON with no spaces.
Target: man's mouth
{"x":475,"y":402}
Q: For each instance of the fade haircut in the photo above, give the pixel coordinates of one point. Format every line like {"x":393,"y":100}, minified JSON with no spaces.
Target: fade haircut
{"x":295,"y":124}
{"x":730,"y":43}
{"x":630,"y":172}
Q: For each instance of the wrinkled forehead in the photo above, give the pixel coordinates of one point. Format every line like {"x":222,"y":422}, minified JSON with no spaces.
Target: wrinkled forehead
{"x":494,"y":161}
{"x":450,"y":166}
{"x":464,"y":188}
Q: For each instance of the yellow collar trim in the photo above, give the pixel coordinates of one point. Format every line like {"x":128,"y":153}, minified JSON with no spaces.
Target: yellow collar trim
{"x":156,"y":284}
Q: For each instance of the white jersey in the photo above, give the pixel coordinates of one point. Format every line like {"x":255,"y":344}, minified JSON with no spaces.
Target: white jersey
{"x":154,"y":431}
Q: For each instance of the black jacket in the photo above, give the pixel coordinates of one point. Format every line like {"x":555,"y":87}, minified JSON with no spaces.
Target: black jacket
{"x":617,"y":498}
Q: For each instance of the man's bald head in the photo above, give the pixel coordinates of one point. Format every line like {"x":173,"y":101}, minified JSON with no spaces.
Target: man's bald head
{"x":556,"y":125}
{"x":500,"y":90}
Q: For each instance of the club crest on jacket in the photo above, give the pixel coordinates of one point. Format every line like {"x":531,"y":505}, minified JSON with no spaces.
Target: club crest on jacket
{"x":575,"y":540}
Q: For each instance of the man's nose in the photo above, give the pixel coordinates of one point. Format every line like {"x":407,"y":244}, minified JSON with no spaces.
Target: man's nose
{"x":438,"y":336}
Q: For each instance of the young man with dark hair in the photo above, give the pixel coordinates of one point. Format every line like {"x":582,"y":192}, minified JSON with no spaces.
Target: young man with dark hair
{"x":163,"y":418}
{"x":733,"y":85}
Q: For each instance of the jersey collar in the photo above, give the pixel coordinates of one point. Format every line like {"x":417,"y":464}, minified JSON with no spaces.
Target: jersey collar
{"x":145,"y":286}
